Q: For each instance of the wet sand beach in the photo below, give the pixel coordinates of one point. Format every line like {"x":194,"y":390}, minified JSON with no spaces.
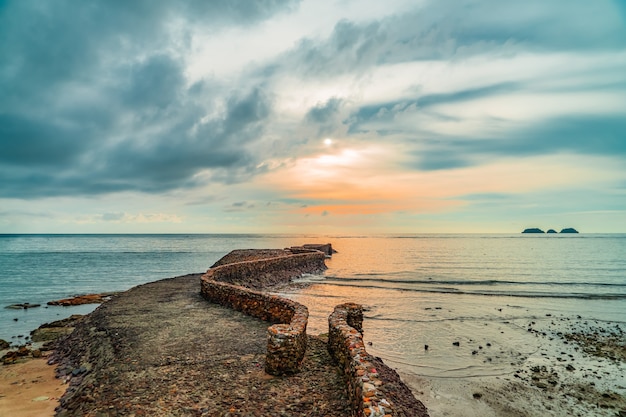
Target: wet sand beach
{"x":29,"y":388}
{"x":574,"y":367}
{"x":495,"y":358}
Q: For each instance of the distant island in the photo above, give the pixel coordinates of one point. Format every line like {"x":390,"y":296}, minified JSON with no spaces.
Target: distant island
{"x":533,"y":230}
{"x":538,"y":230}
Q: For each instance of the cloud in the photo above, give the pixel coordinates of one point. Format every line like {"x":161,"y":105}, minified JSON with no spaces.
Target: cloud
{"x":324,"y":112}
{"x":584,"y":135}
{"x":46,"y":160}
{"x":122,"y":217}
{"x":239,"y":206}
{"x":6,"y":214}
{"x":210,"y":103}
{"x":155,"y":82}
{"x":439,"y":30}
{"x":95,"y":98}
{"x":387,"y":112}
{"x":326,"y":116}
{"x":31,"y":142}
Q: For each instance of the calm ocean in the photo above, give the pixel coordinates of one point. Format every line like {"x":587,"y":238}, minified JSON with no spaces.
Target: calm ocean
{"x":418,"y":289}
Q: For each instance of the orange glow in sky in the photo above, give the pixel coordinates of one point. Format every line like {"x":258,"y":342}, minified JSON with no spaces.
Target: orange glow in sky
{"x":370,"y":180}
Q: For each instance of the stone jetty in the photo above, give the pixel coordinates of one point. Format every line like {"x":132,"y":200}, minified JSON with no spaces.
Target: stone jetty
{"x":173,"y":347}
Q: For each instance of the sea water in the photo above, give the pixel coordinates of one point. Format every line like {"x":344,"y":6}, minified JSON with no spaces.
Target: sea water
{"x":430,"y":301}
{"x":36,"y":269}
{"x":450,"y":306}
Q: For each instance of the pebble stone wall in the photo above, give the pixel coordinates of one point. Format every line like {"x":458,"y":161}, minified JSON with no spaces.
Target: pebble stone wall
{"x":345,"y":344}
{"x":286,"y":340}
{"x":261,"y":273}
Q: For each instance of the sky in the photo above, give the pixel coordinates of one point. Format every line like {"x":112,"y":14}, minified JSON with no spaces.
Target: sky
{"x":312,"y":116}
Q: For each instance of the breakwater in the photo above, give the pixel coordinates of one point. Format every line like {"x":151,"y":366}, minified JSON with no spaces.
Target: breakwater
{"x":250,"y":269}
{"x":286,"y":341}
{"x":236,"y":281}
{"x":233,"y":285}
{"x":374,"y":390}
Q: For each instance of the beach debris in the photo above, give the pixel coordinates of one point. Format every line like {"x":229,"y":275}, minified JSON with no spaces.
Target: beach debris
{"x":12,"y":356}
{"x":83,"y":299}
{"x":22,"y":306}
{"x":602,"y":343}
{"x":52,"y":331}
{"x":42,"y":398}
{"x":456,"y":343}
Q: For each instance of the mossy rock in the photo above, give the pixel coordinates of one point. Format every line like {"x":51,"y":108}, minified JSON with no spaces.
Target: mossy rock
{"x":44,"y":334}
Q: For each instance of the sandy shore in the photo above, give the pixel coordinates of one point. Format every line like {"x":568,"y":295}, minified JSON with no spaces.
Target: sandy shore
{"x":491,"y":360}
{"x":29,"y":388}
{"x":579,"y":369}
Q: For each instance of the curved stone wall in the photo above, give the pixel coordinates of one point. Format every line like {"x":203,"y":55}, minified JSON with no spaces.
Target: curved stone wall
{"x":233,"y":285}
{"x":261,"y":273}
{"x":345,"y":344}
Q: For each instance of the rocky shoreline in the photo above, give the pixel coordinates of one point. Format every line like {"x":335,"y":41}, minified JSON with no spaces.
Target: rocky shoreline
{"x":577,"y":369}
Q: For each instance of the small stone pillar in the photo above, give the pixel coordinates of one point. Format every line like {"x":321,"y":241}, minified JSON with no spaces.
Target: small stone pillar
{"x":354,"y":316}
{"x":285,"y":349}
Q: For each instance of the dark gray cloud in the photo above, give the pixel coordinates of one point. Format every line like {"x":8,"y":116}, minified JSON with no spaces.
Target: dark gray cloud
{"x":32,"y":142}
{"x":585,"y":135}
{"x":325,"y":112}
{"x":450,"y":28}
{"x":179,"y":151}
{"x":239,"y":206}
{"x":437,"y":159}
{"x":386,"y":112}
{"x":51,"y":163}
{"x":94,"y":97}
{"x":326,"y":116}
{"x":157,"y":82}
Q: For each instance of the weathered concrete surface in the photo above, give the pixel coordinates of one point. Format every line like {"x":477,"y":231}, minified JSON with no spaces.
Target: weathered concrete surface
{"x":162,"y":350}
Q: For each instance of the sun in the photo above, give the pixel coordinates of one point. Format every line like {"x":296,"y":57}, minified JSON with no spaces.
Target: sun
{"x":328,"y":141}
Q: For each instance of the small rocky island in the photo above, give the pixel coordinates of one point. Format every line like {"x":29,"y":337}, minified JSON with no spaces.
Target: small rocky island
{"x":551,"y":231}
{"x":533,"y":230}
